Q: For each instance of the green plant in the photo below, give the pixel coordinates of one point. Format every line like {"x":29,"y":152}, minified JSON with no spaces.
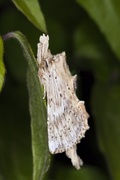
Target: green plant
{"x":89,"y":33}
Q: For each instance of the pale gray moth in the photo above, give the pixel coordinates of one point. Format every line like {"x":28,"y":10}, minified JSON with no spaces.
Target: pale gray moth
{"x":66,"y":114}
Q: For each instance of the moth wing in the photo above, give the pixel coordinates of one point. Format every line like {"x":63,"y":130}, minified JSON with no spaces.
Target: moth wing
{"x":67,"y":128}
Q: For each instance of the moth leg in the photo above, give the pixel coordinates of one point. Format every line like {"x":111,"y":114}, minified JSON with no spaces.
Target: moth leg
{"x":44,"y":95}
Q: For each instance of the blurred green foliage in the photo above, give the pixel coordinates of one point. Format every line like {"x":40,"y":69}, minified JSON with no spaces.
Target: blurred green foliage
{"x":89,"y":33}
{"x":2,"y":68}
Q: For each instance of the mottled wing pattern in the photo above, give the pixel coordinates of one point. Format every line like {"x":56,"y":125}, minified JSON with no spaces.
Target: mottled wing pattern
{"x":67,"y":116}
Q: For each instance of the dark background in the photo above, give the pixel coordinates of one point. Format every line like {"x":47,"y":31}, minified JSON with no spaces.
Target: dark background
{"x":90,"y":56}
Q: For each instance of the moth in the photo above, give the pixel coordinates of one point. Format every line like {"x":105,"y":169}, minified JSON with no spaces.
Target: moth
{"x":67,"y":119}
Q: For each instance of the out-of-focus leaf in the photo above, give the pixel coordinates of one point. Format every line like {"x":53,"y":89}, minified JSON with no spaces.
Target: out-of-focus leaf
{"x":2,"y":68}
{"x":15,"y":59}
{"x":106,"y":111}
{"x":106,"y":14}
{"x":94,"y":52}
{"x":15,"y":142}
{"x":86,"y":173}
{"x":41,"y":156}
{"x":31,"y":9}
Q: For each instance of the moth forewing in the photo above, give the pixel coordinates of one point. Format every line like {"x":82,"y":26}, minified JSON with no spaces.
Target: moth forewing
{"x":67,"y":119}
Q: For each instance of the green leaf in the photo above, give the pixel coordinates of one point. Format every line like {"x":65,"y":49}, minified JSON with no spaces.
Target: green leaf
{"x":94,"y":52}
{"x":31,"y":9}
{"x":106,"y":111}
{"x":41,"y":156}
{"x":15,"y":142}
{"x":106,"y":14}
{"x":2,"y":68}
{"x":86,"y":173}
